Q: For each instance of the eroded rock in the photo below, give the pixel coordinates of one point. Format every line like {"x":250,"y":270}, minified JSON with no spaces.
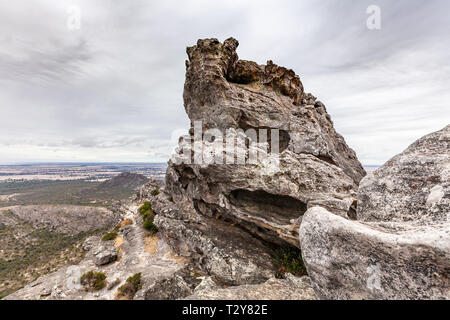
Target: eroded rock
{"x":400,"y":247}
{"x":231,"y":217}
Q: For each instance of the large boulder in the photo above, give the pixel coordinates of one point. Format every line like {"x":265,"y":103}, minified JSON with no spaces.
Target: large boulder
{"x":231,"y":216}
{"x":400,"y":247}
{"x":105,"y":254}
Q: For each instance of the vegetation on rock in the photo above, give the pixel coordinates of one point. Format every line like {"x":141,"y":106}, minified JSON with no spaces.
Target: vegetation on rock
{"x":148,"y":216}
{"x":93,"y":281}
{"x":111,"y":235}
{"x":131,"y":286}
{"x":154,"y":192}
{"x":288,"y":259}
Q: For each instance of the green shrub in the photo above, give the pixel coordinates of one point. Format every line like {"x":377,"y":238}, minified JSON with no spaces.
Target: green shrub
{"x":289,"y":259}
{"x":149,"y":225}
{"x":145,"y":209}
{"x":93,"y":281}
{"x":130,"y":287}
{"x":170,"y":199}
{"x":109,"y":236}
{"x":154,"y":192}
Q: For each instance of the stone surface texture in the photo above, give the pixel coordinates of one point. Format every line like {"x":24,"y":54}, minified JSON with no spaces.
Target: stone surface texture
{"x":400,"y":246}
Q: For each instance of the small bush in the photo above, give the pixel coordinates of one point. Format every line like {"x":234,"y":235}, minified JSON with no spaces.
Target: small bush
{"x":130,"y":287}
{"x":154,"y":192}
{"x":289,"y":259}
{"x":149,"y":225}
{"x":93,"y":281}
{"x":145,"y":209}
{"x":170,"y":199}
{"x":109,"y":236}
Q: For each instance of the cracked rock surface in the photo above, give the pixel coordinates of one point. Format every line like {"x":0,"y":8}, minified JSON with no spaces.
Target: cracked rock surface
{"x":400,"y":246}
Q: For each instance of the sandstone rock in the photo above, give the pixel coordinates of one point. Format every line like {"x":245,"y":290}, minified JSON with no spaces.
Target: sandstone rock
{"x":230,"y":217}
{"x":400,"y":247}
{"x":291,"y":288}
{"x":105,"y":254}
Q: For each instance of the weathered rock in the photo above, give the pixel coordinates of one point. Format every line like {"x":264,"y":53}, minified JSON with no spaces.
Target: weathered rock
{"x":230,"y":217}
{"x":412,"y":186}
{"x":291,"y":288}
{"x":168,"y":289}
{"x":400,"y":247}
{"x":224,"y":92}
{"x":105,"y":254}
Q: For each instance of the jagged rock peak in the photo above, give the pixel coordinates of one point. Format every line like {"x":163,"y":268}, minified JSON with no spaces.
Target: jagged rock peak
{"x":224,"y":92}
{"x":227,"y":65}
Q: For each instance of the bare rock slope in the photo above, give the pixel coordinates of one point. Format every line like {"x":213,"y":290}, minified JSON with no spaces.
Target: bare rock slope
{"x":231,"y":217}
{"x":400,"y":246}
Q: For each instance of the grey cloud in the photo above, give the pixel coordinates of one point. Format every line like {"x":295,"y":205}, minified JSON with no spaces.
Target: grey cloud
{"x":112,"y":91}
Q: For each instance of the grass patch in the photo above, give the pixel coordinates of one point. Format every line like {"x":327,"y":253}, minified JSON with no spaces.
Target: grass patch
{"x":93,"y":281}
{"x":154,"y":192}
{"x":111,"y":235}
{"x":131,"y":286}
{"x":288,"y":259}
{"x":146,"y":208}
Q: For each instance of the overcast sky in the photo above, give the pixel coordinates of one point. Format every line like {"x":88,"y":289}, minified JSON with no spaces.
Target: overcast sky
{"x":112,"y":90}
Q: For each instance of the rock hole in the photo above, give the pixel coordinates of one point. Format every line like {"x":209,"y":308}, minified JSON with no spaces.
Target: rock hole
{"x":276,"y":208}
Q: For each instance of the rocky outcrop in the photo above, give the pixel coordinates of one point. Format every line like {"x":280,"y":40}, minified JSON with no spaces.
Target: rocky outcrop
{"x":400,"y":247}
{"x":231,"y":217}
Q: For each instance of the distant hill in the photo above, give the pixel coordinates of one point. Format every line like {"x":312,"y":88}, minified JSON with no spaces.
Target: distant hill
{"x":125,"y":180}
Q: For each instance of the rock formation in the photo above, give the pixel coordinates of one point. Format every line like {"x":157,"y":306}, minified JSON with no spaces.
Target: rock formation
{"x":400,"y":246}
{"x":231,"y":217}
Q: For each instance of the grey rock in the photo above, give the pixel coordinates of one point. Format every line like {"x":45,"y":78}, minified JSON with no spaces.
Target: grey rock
{"x":412,"y":186}
{"x":168,"y":289}
{"x":105,"y":254}
{"x":400,"y":247}
{"x":272,"y":289}
{"x":114,"y":284}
